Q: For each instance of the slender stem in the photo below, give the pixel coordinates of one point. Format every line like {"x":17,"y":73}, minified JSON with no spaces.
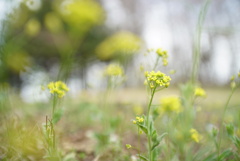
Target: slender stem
{"x":168,"y":153}
{"x":156,"y":63}
{"x":139,"y":143}
{"x":221,"y":123}
{"x":148,"y":124}
{"x":54,"y":104}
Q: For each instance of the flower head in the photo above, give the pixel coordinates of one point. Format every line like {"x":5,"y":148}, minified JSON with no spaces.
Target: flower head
{"x":138,"y":120}
{"x":59,"y":88}
{"x":170,"y":104}
{"x":157,"y":79}
{"x":164,"y":55}
{"x":195,"y":135}
{"x":113,"y":70}
{"x":200,"y":92}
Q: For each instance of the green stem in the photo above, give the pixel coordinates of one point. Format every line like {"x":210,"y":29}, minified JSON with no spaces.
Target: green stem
{"x":139,"y":143}
{"x":197,"y":42}
{"x":54,"y":104}
{"x":221,"y":123}
{"x":156,"y":63}
{"x":148,"y":124}
{"x":168,"y":153}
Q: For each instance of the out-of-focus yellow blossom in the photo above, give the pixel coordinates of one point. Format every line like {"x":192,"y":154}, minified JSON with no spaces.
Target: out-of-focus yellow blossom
{"x":128,"y":146}
{"x":53,"y":22}
{"x":200,"y":92}
{"x":140,"y":132}
{"x":239,"y":74}
{"x":113,"y":70}
{"x":169,"y":105}
{"x":157,"y":79}
{"x":164,"y":55}
{"x":59,"y":88}
{"x":32,"y":27}
{"x":81,"y":15}
{"x":195,"y":135}
{"x":119,"y":43}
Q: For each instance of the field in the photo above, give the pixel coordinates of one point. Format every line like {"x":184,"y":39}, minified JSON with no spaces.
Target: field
{"x":119,"y":80}
{"x":84,"y":134}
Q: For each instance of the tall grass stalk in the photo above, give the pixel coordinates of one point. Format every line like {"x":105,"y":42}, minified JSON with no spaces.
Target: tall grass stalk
{"x":197,"y":42}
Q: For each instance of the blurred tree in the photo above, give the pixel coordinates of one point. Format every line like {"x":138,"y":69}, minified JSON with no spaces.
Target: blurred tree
{"x":49,"y":33}
{"x":42,"y":34}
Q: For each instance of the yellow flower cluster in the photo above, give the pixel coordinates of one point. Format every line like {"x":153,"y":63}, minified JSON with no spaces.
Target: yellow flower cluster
{"x":200,"y":92}
{"x":81,"y":15}
{"x":59,"y":88}
{"x":195,"y":135}
{"x":120,"y":43}
{"x":157,"y":79}
{"x":138,"y":119}
{"x":113,"y":70}
{"x":169,"y":105}
{"x":164,"y":55}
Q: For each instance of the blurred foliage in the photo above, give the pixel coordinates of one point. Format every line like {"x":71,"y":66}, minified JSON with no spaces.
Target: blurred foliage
{"x":43,"y":34}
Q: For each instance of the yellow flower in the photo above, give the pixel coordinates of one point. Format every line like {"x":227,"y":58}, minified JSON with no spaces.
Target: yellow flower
{"x":59,"y":88}
{"x":157,"y":79}
{"x":169,"y":105}
{"x":140,"y":119}
{"x":120,"y":43}
{"x":32,"y":27}
{"x":164,"y":55}
{"x":81,"y":15}
{"x":200,"y":92}
{"x":113,"y":70}
{"x":53,"y":22}
{"x":195,"y":135}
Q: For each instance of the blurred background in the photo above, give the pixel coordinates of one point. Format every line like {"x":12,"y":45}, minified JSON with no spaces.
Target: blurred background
{"x":44,"y":40}
{"x":75,"y":41}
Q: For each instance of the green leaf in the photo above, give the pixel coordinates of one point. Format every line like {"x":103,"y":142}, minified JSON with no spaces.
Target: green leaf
{"x":158,"y":141}
{"x":236,"y":141}
{"x":143,"y":158}
{"x":226,"y":154}
{"x":57,"y":116}
{"x":143,"y":128}
{"x":154,"y":136}
{"x":211,"y":157}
